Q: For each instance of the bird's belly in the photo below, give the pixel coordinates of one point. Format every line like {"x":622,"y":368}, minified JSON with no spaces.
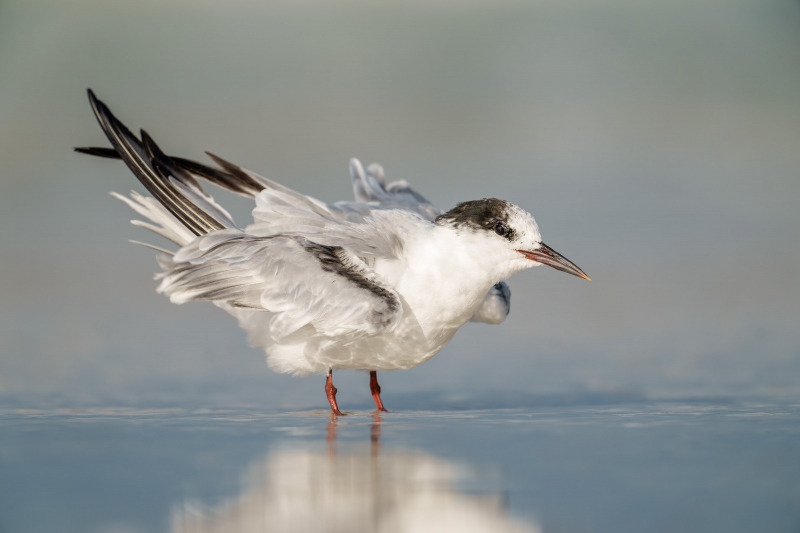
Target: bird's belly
{"x":430,"y":320}
{"x":406,"y":346}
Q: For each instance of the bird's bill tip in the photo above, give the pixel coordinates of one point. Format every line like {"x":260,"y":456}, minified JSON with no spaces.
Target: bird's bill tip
{"x":547,"y":256}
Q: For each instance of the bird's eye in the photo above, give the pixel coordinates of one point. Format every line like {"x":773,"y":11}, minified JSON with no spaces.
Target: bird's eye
{"x":501,"y":229}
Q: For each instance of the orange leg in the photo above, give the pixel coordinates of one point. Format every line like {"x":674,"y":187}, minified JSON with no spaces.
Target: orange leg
{"x":376,"y":391}
{"x":330,"y":391}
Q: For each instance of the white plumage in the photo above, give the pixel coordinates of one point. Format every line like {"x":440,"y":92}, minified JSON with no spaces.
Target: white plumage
{"x":382,"y":283}
{"x":387,"y":298}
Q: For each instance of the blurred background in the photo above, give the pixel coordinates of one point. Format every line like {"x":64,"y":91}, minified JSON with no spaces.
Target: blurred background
{"x":656,"y":143}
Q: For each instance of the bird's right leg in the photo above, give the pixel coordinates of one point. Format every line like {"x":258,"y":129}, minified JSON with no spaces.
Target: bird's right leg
{"x":330,"y":391}
{"x":375,"y":389}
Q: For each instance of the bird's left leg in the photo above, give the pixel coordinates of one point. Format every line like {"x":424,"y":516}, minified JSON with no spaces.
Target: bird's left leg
{"x":330,"y":391}
{"x":375,"y":389}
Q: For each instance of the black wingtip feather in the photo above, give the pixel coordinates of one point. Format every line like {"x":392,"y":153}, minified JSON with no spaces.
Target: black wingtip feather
{"x":218,"y":177}
{"x":238,"y":173}
{"x":108,"y":153}
{"x":233,"y":180}
{"x":153,"y":169}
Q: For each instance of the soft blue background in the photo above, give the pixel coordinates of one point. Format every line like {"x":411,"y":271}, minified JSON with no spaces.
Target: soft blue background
{"x":657,"y":144}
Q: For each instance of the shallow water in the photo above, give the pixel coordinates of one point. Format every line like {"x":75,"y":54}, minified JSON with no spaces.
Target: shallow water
{"x":643,"y":467}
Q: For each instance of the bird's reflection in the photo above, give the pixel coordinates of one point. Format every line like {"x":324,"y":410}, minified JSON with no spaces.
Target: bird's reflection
{"x":347,"y":488}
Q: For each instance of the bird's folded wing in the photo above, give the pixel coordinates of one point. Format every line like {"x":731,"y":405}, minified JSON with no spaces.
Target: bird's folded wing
{"x":300,"y":282}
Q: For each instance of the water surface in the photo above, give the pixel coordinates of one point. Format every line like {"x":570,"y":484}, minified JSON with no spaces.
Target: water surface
{"x":639,"y":467}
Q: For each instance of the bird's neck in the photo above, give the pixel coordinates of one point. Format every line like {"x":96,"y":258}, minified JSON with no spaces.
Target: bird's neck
{"x":446,"y":278}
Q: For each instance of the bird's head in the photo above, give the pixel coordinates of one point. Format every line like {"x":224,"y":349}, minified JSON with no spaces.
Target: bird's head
{"x":508,"y":233}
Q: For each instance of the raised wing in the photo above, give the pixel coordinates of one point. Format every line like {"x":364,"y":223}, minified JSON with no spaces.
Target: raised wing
{"x":376,"y":233}
{"x":369,"y":186}
{"x":171,"y":185}
{"x":302,"y":283}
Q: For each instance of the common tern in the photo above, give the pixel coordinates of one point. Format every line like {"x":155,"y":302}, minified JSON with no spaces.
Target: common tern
{"x":381,"y":283}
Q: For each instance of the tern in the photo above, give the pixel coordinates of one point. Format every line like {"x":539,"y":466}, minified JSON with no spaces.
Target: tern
{"x":380,"y":283}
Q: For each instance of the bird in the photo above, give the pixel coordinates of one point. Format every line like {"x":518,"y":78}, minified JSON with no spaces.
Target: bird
{"x":376,"y":284}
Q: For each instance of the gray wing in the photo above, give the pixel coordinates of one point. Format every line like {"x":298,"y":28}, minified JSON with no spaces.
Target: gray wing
{"x":369,"y":187}
{"x":300,"y":282}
